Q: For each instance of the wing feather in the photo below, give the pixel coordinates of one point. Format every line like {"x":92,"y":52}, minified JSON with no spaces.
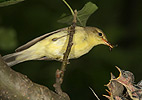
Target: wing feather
{"x":34,"y":41}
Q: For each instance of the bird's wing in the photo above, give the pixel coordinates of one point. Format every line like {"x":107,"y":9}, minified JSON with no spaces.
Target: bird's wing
{"x":34,"y":41}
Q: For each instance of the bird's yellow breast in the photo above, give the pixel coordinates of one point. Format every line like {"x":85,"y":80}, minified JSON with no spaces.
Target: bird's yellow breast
{"x":55,"y":45}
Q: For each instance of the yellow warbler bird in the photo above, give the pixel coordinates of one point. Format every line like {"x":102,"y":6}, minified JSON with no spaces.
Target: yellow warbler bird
{"x":52,"y":46}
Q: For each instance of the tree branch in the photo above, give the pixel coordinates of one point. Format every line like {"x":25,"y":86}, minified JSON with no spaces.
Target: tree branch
{"x":16,"y":86}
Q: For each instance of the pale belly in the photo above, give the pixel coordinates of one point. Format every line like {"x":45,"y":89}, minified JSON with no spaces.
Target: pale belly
{"x":58,"y":49}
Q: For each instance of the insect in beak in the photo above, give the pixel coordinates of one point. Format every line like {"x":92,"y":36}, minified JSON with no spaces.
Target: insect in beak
{"x":108,"y":44}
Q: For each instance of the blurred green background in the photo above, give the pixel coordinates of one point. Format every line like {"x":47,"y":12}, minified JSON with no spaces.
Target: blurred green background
{"x":121,"y":20}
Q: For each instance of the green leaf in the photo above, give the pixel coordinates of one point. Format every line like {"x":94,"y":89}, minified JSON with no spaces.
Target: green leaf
{"x":9,"y":2}
{"x":8,"y":38}
{"x":82,"y":15}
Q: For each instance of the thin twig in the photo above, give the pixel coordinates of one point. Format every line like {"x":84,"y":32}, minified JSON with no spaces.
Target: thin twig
{"x":60,"y":73}
{"x":94,"y":93}
{"x":70,"y":43}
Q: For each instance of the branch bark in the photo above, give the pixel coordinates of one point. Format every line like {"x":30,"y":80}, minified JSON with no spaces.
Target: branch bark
{"x":16,"y":86}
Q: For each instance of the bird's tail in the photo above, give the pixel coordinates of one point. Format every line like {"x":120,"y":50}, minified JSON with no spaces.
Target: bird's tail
{"x":14,"y":58}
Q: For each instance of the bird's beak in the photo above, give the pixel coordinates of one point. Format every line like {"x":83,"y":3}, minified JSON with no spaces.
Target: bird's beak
{"x":120,"y":78}
{"x":120,"y":71}
{"x":107,"y":43}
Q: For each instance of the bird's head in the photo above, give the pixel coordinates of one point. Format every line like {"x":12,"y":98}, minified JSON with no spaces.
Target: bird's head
{"x":125,"y":77}
{"x":98,"y":36}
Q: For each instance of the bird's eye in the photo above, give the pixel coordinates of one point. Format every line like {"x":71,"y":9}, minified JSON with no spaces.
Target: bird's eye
{"x":100,"y":34}
{"x":125,"y":75}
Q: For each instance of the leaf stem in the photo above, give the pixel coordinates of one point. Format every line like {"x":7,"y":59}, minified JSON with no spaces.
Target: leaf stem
{"x":69,"y":7}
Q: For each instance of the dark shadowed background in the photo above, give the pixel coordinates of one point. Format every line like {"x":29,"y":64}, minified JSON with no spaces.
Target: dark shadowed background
{"x":121,"y":20}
